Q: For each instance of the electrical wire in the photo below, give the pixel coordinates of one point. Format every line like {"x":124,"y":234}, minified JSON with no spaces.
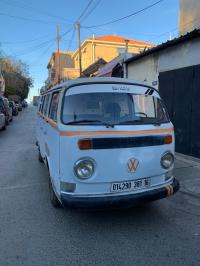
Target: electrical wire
{"x":125,"y":17}
{"x":90,"y":11}
{"x":85,"y":10}
{"x":41,"y":55}
{"x":31,"y":9}
{"x":174,"y":29}
{"x":25,"y":41}
{"x":41,"y":45}
{"x":72,"y":38}
{"x":27,"y":19}
{"x":78,"y":19}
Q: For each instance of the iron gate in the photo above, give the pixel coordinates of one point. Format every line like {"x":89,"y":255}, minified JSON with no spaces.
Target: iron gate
{"x":180,"y":89}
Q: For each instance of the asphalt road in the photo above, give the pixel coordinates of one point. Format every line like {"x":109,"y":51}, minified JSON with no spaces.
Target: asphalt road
{"x":32,"y":232}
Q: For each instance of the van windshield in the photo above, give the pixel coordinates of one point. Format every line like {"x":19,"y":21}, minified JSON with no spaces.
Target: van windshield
{"x":113,"y":109}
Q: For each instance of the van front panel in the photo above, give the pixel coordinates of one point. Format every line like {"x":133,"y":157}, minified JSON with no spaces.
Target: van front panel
{"x":124,"y":124}
{"x":111,"y":165}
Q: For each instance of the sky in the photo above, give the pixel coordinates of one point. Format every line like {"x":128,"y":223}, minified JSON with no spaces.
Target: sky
{"x":28,"y":28}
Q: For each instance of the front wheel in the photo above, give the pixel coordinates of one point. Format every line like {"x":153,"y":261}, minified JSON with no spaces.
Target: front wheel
{"x":53,"y":198}
{"x":4,"y":127}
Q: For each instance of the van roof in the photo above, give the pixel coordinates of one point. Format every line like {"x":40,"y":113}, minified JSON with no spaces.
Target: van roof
{"x":82,"y":81}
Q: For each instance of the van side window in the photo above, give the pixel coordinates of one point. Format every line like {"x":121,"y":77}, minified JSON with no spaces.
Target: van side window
{"x":41,"y":103}
{"x":46,"y":104}
{"x":54,"y":106}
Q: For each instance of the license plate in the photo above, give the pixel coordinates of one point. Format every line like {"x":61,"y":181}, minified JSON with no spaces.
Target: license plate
{"x":130,"y":185}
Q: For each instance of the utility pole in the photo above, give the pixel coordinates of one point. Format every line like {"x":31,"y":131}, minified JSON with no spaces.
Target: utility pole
{"x":58,"y":54}
{"x":125,"y":57}
{"x":79,"y":47}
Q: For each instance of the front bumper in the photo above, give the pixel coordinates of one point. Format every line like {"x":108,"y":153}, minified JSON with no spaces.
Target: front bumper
{"x":119,"y":201}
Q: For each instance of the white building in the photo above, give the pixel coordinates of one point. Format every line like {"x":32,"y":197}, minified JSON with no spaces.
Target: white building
{"x":174,"y":68}
{"x":177,"y":53}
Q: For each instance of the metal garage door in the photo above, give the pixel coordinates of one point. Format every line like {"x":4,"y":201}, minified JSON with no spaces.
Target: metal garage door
{"x":180,"y":90}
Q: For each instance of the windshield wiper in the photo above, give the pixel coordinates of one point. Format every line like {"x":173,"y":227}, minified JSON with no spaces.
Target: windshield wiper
{"x":132,"y":122}
{"x":129,"y":122}
{"x":89,"y":121}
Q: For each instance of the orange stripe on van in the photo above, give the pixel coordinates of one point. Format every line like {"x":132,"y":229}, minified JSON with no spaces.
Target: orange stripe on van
{"x":48,"y":120}
{"x":94,"y":133}
{"x":52,"y":123}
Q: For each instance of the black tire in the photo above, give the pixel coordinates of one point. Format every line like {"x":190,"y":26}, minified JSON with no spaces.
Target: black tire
{"x":53,"y":198}
{"x":40,"y":159}
{"x":4,"y":127}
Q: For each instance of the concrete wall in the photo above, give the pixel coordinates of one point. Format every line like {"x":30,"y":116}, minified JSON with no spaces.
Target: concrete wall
{"x":144,"y":69}
{"x":189,"y":16}
{"x":187,"y":54}
{"x":147,"y":68}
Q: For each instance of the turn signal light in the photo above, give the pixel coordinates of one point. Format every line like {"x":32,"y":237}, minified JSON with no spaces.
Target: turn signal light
{"x":85,"y":144}
{"x":168,"y":139}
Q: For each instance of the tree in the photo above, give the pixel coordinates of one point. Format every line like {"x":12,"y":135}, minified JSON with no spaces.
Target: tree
{"x":17,"y":77}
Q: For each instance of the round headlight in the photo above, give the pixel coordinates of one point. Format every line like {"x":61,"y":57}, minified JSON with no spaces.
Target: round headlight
{"x":167,"y":160}
{"x":84,"y":168}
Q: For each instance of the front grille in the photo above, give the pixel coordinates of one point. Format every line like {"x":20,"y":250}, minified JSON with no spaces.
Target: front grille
{"x":131,"y":142}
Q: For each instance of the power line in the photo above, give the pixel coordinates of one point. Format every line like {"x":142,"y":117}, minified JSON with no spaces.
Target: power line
{"x":90,"y":11}
{"x":27,"y":19}
{"x":41,"y":55}
{"x":34,"y":48}
{"x":85,"y":9}
{"x":72,"y":38}
{"x":31,"y":8}
{"x":125,"y":17}
{"x":41,"y":45}
{"x":175,"y":29}
{"x":100,"y":30}
{"x":77,"y":20}
{"x":25,"y":41}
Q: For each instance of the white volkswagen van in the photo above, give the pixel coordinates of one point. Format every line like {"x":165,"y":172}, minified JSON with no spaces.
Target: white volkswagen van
{"x":106,"y":142}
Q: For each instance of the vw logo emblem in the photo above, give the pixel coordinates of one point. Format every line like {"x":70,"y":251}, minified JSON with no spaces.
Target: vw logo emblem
{"x":132,"y":165}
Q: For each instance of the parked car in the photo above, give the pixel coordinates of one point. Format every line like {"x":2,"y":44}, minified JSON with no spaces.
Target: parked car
{"x":24,"y":104}
{"x":2,"y":116}
{"x":19,"y":106}
{"x":7,"y":110}
{"x":14,"y":107}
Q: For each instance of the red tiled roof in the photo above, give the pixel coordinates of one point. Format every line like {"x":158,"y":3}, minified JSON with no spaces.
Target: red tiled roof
{"x":111,"y":38}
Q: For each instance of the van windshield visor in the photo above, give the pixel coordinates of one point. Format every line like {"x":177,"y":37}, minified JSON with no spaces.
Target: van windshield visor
{"x":107,"y":108}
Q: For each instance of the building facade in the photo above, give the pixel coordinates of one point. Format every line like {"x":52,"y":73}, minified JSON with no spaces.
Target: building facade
{"x":178,"y":53}
{"x":107,"y":48}
{"x":67,"y":70}
{"x":174,"y":68}
{"x":93,"y":50}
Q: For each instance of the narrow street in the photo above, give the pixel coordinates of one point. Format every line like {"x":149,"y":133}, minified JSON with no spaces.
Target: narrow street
{"x":32,"y":232}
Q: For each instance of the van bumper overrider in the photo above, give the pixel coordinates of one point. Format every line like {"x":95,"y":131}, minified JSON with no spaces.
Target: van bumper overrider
{"x":119,"y":200}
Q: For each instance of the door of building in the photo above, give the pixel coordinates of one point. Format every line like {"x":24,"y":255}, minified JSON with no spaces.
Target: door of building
{"x":180,"y":90}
